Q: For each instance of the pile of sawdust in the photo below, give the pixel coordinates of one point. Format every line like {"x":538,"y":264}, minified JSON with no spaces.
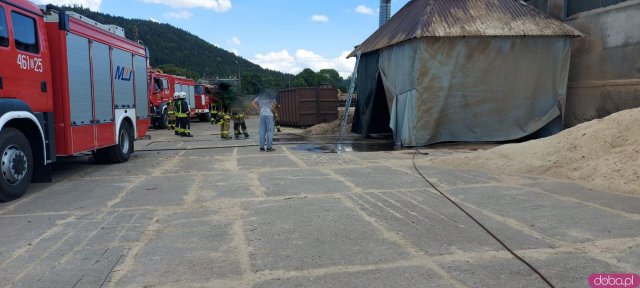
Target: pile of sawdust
{"x":603,"y":154}
{"x":330,"y":128}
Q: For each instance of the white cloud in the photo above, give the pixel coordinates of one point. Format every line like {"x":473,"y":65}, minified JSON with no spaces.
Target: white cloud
{"x":215,"y":5}
{"x":320,"y":18}
{"x":279,"y":61}
{"x":235,"y":41}
{"x":153,"y":20}
{"x":364,"y":10}
{"x":235,"y":51}
{"x":178,"y":15}
{"x":284,"y":62}
{"x":93,"y":5}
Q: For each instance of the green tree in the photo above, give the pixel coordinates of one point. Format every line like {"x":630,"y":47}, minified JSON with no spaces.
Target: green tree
{"x":309,"y":78}
{"x":175,"y":70}
{"x":298,"y":82}
{"x":252,"y":83}
{"x":228,"y":94}
{"x":330,"y":76}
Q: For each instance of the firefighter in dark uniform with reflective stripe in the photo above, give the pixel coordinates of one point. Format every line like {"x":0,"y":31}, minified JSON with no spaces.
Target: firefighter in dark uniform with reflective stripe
{"x":182,"y":113}
{"x":239,"y":125}
{"x":171,"y":113}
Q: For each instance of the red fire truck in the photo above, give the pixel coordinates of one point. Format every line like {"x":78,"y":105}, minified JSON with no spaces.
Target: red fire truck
{"x":164,"y":86}
{"x":204,"y":94}
{"x":67,"y":85}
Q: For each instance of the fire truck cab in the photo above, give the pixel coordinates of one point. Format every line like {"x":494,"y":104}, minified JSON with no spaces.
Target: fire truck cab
{"x":67,"y":85}
{"x":161,"y":91}
{"x":164,"y":86}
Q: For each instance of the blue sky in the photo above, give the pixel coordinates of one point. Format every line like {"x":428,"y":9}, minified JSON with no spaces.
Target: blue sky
{"x":284,"y":35}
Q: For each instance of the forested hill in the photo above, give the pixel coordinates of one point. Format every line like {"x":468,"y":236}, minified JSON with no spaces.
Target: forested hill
{"x":170,"y":46}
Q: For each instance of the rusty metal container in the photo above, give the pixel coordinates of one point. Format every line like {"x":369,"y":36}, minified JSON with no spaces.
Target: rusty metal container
{"x":304,"y":107}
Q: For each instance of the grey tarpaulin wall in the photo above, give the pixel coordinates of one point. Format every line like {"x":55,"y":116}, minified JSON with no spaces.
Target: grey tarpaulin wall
{"x":441,"y":89}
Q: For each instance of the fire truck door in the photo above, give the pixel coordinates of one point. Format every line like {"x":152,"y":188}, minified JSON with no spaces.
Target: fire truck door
{"x":22,"y":63}
{"x":123,"y":89}
{"x":80,"y":93}
{"x":103,"y":104}
{"x":142,"y":98}
{"x":192,"y":97}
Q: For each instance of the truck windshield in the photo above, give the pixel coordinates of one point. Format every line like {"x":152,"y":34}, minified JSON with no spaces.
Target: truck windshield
{"x":199,"y":89}
{"x":4,"y":35}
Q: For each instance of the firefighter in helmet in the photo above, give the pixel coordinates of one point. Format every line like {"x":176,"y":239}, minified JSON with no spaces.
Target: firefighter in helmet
{"x":224,"y":120}
{"x":276,"y":118}
{"x":182,"y":113}
{"x":177,"y":105}
{"x":171,"y":113}
{"x":220,"y":115}
{"x":214,"y":112}
{"x":239,"y":125}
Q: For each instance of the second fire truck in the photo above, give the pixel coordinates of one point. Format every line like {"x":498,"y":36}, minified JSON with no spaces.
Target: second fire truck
{"x":163,"y":88}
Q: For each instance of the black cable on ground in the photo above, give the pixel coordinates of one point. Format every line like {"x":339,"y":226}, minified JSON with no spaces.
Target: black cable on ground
{"x":233,"y":146}
{"x":479,"y":223}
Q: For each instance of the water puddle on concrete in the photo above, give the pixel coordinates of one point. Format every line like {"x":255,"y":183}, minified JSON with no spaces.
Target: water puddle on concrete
{"x":346,"y":147}
{"x":320,"y":144}
{"x":315,"y":148}
{"x":367,"y":146}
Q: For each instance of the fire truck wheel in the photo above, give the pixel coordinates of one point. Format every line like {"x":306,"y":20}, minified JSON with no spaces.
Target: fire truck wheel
{"x":17,"y":164}
{"x":121,"y":152}
{"x":163,"y":122}
{"x":100,"y":155}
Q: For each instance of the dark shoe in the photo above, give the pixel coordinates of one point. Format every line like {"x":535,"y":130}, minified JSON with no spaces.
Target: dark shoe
{"x":270,"y":149}
{"x":177,"y":133}
{"x":188,"y":135}
{"x":261,"y":149}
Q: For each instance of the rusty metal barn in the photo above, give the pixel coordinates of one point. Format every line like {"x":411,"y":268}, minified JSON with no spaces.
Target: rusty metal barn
{"x":465,"y":70}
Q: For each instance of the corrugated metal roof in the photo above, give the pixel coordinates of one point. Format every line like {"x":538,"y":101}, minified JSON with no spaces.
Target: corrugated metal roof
{"x":457,"y":18}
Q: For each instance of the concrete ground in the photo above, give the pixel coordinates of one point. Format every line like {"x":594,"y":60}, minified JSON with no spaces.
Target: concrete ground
{"x":177,"y":215}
